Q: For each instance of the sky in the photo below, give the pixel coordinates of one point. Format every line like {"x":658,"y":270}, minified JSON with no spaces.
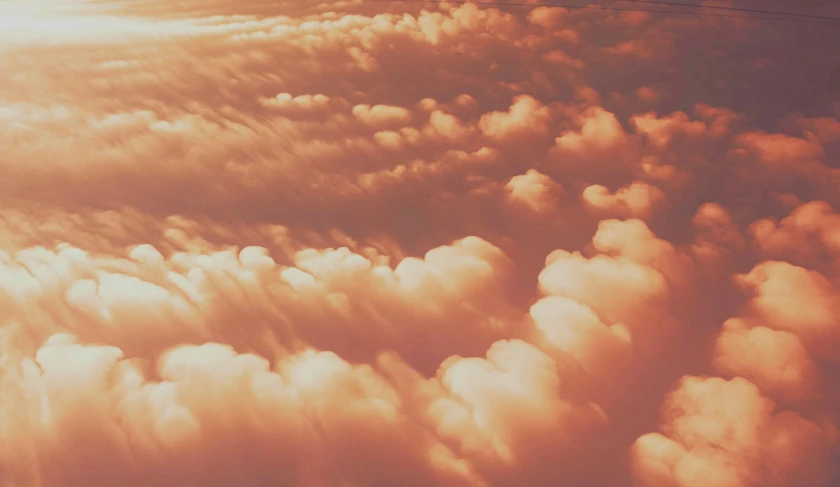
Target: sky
{"x":360,"y":243}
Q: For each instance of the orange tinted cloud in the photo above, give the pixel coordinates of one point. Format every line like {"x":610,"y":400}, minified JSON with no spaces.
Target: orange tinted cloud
{"x":533,"y":189}
{"x":637,"y":200}
{"x":718,"y":432}
{"x":372,"y":244}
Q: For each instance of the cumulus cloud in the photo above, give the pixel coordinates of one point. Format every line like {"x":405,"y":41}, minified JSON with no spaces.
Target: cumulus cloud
{"x":810,"y":235}
{"x":371,"y":244}
{"x":599,"y":130}
{"x":533,"y":189}
{"x":718,"y":242}
{"x":525,"y":117}
{"x":792,"y":298}
{"x":777,"y":361}
{"x":636,"y":200}
{"x":718,"y":432}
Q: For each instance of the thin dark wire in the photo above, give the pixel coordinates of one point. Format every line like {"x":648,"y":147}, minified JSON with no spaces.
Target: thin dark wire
{"x":834,"y":77}
{"x":781,"y":74}
{"x":806,"y":8}
{"x":787,"y":17}
{"x":735,"y":9}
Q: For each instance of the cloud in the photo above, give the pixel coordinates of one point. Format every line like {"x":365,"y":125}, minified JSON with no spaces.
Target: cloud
{"x":779,"y":148}
{"x":382,"y":115}
{"x":525,"y":117}
{"x":776,"y":361}
{"x":646,"y":94}
{"x":215,"y":416}
{"x":599,"y":130}
{"x":533,"y":189}
{"x":778,"y":286}
{"x":718,"y":242}
{"x":368,"y":243}
{"x":637,"y":200}
{"x":718,"y":432}
{"x":810,"y":235}
{"x":660,"y":130}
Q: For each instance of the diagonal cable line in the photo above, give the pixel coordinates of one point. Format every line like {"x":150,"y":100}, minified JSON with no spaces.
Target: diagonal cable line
{"x":802,"y":91}
{"x":779,"y":16}
{"x":813,"y":15}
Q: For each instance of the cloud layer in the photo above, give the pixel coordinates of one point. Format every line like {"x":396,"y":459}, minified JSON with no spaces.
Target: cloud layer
{"x":361,"y":244}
